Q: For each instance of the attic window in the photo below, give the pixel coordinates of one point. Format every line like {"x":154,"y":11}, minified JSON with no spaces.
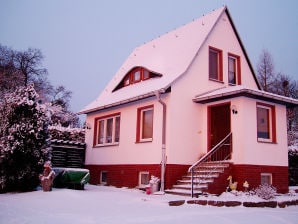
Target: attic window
{"x":215,"y":64}
{"x":136,"y":75}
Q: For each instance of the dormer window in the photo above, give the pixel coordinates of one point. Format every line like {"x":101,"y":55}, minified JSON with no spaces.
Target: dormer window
{"x":136,"y":75}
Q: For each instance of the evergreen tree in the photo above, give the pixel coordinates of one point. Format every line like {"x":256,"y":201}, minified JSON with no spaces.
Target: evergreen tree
{"x":24,"y":145}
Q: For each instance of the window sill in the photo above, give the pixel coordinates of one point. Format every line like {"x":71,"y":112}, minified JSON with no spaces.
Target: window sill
{"x":106,"y":145}
{"x":260,"y":140}
{"x":216,"y":80}
{"x":144,"y":141}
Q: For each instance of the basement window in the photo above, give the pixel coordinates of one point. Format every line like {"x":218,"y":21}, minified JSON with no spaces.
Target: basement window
{"x":103,"y":177}
{"x":266,"y":178}
{"x":143,"y":179}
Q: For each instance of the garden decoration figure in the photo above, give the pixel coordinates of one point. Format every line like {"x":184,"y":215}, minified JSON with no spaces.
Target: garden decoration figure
{"x":246,"y":186}
{"x":47,"y":177}
{"x":232,"y":186}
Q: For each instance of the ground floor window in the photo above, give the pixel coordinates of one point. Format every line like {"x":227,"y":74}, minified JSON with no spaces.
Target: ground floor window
{"x":145,"y":124}
{"x":266,"y":123}
{"x":266,"y":178}
{"x":144,"y":178}
{"x":107,"y":130}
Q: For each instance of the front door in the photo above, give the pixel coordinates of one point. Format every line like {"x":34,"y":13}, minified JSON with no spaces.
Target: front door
{"x":219,"y":125}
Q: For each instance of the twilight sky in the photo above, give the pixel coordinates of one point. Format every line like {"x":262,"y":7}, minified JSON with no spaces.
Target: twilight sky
{"x":85,"y":42}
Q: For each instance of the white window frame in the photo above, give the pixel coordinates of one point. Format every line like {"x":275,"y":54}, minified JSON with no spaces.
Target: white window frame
{"x":270,"y":139}
{"x":235,"y":69}
{"x":140,"y":178}
{"x":266,"y":175}
{"x":141,"y":124}
{"x":105,"y":120}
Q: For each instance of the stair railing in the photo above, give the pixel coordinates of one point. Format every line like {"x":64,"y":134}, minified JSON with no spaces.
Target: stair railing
{"x":221,"y":152}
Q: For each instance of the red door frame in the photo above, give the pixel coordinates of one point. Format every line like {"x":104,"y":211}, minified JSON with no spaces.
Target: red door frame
{"x":209,"y":120}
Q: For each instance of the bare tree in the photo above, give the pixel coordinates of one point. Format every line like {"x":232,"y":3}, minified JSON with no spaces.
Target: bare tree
{"x":20,"y":68}
{"x":61,"y":96}
{"x":29,"y":63}
{"x":265,"y":70}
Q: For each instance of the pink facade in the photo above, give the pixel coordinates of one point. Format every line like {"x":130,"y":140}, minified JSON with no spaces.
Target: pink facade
{"x":172,"y":97}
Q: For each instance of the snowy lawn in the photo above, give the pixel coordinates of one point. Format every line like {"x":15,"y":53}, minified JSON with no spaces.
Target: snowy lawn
{"x":98,"y":204}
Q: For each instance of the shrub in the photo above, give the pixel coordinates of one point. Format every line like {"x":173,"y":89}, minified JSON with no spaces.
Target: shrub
{"x":24,"y":144}
{"x":265,"y":191}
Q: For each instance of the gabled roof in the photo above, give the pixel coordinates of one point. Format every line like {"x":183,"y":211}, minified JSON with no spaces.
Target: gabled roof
{"x":228,"y":92}
{"x":169,"y":55}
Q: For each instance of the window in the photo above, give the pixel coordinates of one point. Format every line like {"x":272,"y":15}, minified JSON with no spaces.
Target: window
{"x":107,"y":130}
{"x":103,"y":177}
{"x":234,"y":71}
{"x":215,"y":64}
{"x":135,"y":75}
{"x":143,"y":178}
{"x":145,"y":124}
{"x":266,"y":123}
{"x":126,"y":81}
{"x":266,"y":178}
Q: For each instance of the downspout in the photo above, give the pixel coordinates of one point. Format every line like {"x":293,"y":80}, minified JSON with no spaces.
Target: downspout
{"x":163,"y":147}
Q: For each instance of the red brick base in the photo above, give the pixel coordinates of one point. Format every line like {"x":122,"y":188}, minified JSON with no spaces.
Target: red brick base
{"x":128,"y":175}
{"x":252,"y":174}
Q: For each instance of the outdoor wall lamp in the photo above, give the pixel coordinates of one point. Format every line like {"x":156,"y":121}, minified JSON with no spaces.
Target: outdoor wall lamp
{"x":234,"y":109}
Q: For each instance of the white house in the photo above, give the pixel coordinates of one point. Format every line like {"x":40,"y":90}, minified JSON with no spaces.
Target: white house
{"x":170,"y":104}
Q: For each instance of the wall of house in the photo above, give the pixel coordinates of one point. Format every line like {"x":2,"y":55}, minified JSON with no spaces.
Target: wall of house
{"x":247,"y":149}
{"x":188,"y":120}
{"x":128,"y":151}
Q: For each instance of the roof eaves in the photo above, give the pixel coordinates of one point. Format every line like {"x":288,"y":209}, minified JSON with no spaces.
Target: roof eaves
{"x":119,"y":103}
{"x":255,"y":94}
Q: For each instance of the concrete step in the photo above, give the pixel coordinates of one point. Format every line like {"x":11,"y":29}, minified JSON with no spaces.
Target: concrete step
{"x":188,"y":186}
{"x":203,"y":176}
{"x":183,"y":192}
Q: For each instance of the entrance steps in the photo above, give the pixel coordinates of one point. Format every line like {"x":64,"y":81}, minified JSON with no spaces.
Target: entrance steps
{"x":204,"y":177}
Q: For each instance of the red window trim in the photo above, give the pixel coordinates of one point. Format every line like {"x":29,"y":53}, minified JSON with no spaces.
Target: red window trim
{"x":132,"y":75}
{"x":220,"y":64}
{"x":138,"y":132}
{"x":96,"y":119}
{"x":238,"y":61}
{"x":272,"y":122}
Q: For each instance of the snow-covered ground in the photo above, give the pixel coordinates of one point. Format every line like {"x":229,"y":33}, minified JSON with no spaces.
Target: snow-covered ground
{"x":105,"y":205}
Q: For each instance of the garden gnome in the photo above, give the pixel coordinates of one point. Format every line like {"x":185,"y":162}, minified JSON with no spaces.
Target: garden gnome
{"x":47,"y":177}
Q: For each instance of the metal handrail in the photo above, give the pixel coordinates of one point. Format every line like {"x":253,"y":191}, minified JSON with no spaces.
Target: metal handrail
{"x":209,"y":155}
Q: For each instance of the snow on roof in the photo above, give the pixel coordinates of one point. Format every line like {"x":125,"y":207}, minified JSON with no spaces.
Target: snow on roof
{"x":239,"y":90}
{"x":169,"y":55}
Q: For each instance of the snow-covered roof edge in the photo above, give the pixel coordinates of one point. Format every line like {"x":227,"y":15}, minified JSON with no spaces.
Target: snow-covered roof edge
{"x":235,"y":91}
{"x":108,"y":98}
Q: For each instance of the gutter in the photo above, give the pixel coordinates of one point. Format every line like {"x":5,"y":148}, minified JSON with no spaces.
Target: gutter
{"x":163,"y":147}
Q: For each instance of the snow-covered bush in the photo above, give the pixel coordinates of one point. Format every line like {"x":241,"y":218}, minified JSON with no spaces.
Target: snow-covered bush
{"x":24,"y":142}
{"x":67,"y":134}
{"x":265,"y":191}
